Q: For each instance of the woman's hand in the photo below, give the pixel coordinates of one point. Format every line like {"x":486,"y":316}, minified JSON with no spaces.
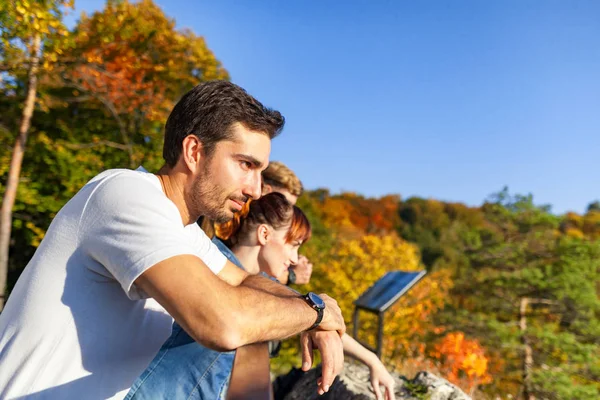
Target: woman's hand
{"x":303,"y":270}
{"x":380,"y":376}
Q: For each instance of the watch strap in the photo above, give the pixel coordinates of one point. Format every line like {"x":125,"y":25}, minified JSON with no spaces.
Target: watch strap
{"x":317,"y":309}
{"x":319,"y":319}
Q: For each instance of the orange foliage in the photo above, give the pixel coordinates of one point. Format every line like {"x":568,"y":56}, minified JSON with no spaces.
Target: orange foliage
{"x":350,"y":212}
{"x":574,"y":232}
{"x":131,"y":51}
{"x":336,"y":213}
{"x":463,"y":361}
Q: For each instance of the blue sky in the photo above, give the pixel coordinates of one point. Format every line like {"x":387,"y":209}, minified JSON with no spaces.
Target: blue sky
{"x":445,"y":99}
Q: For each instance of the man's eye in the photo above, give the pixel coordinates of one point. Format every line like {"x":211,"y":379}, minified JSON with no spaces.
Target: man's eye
{"x":246,"y":164}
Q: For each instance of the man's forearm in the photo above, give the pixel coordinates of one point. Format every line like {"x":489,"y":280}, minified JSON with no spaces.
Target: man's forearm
{"x":260,"y":282}
{"x":223,"y":316}
{"x":269,"y":311}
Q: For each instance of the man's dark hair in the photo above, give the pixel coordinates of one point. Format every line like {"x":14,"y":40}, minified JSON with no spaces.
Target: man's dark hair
{"x":209,"y":110}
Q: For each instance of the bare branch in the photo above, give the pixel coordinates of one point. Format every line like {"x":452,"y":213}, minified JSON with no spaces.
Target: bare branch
{"x":111,"y":108}
{"x":77,"y":99}
{"x":543,"y":301}
{"x":107,"y":143}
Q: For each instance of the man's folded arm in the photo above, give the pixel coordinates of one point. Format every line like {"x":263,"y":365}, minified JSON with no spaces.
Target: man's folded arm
{"x":222,"y":316}
{"x":236,"y":276}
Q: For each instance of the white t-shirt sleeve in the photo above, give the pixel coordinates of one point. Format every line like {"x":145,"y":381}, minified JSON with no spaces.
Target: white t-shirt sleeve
{"x":129,"y":225}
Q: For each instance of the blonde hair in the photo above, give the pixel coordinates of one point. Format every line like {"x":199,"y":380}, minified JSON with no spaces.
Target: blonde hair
{"x":278,"y":175}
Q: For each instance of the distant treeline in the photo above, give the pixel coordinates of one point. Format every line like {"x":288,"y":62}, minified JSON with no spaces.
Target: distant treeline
{"x":505,"y":280}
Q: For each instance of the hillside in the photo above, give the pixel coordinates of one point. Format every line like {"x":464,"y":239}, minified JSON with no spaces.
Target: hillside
{"x":504,"y":280}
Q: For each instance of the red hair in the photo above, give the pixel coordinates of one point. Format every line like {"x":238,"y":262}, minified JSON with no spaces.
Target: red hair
{"x":272,"y":209}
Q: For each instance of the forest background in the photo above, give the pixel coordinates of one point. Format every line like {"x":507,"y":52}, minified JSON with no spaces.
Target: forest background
{"x":510,"y":305}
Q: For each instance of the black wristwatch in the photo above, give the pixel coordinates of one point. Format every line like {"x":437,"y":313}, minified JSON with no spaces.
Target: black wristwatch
{"x":317,"y":304}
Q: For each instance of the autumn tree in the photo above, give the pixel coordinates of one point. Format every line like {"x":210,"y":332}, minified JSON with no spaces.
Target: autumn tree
{"x":354,"y":215}
{"x":133,"y":65}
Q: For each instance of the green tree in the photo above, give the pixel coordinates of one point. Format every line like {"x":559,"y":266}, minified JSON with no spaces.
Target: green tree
{"x":594,"y":206}
{"x":25,"y":29}
{"x":533,"y":290}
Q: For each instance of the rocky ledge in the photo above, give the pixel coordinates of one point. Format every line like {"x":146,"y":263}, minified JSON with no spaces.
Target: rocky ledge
{"x":353,"y":384}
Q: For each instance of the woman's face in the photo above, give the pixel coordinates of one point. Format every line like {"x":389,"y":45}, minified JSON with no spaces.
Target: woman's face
{"x":276,"y":255}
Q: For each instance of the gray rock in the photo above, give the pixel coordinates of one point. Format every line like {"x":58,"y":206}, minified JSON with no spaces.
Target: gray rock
{"x":353,"y":384}
{"x":438,"y":388}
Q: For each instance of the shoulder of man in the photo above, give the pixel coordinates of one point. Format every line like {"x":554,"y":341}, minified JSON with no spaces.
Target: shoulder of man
{"x":121,"y":189}
{"x":128,"y":225}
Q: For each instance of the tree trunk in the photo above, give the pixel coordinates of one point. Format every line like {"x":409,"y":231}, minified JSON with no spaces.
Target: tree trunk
{"x":528,"y":354}
{"x":14,"y":172}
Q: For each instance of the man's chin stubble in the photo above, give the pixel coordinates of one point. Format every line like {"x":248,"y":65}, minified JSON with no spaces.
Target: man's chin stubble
{"x":223,"y":217}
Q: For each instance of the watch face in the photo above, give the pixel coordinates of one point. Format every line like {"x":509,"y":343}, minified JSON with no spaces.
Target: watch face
{"x":317,"y":301}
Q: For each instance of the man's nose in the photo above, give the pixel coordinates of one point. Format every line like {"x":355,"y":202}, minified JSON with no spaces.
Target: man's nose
{"x":254,"y":187}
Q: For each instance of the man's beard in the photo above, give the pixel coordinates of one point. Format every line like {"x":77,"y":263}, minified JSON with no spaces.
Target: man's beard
{"x":210,"y":199}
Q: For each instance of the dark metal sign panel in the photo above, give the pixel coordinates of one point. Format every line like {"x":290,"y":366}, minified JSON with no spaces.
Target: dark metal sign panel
{"x":387,"y":290}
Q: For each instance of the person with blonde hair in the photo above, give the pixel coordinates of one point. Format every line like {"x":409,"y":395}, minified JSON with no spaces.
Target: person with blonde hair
{"x":277,"y":177}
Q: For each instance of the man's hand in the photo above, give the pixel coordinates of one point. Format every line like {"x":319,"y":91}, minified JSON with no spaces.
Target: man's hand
{"x":330,"y":346}
{"x":303,"y":270}
{"x":332,"y":316}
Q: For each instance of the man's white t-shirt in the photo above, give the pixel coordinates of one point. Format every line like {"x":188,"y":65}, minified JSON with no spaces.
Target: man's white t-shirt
{"x":75,"y":325}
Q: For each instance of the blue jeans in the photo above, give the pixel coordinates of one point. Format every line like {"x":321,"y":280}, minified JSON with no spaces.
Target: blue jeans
{"x":184,"y":369}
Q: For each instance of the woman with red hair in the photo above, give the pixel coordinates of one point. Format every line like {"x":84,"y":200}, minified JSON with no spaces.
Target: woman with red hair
{"x":266,"y":234}
{"x":265,"y":237}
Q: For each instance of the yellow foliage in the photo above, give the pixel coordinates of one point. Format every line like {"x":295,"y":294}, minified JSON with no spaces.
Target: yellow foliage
{"x":350,"y":267}
{"x":336,"y":212}
{"x":591,"y":224}
{"x":574,"y":232}
{"x":42,"y":19}
{"x":574,"y":219}
{"x":353,"y":265}
{"x":37,"y":232}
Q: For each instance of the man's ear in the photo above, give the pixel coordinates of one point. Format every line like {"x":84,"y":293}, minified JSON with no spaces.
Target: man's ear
{"x":192,"y":152}
{"x":263,"y":234}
